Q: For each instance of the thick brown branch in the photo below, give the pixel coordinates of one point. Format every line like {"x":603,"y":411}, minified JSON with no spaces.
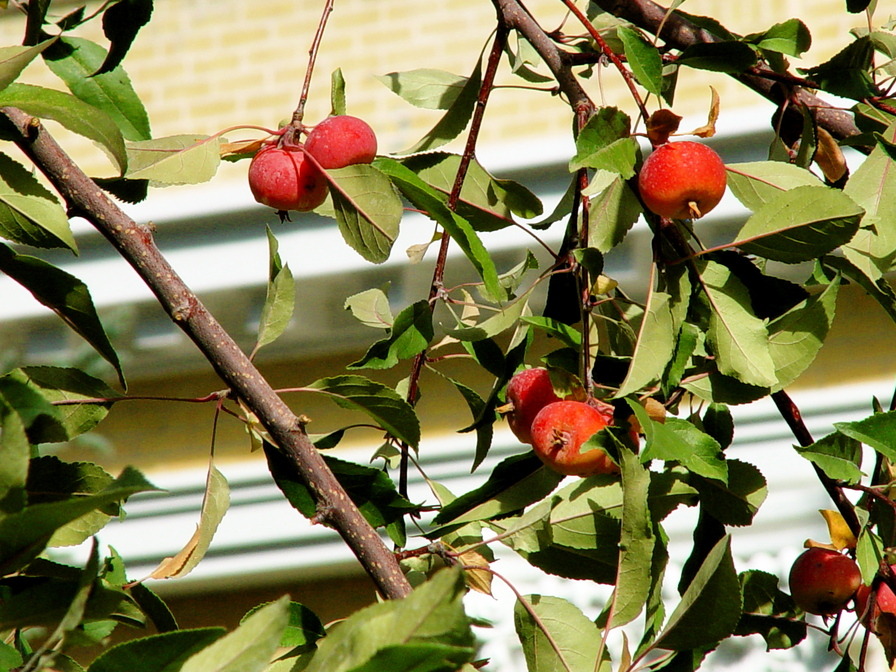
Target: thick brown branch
{"x":680,"y":33}
{"x":135,"y":243}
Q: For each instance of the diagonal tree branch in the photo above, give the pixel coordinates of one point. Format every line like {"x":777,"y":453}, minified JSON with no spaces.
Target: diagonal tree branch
{"x":135,"y":243}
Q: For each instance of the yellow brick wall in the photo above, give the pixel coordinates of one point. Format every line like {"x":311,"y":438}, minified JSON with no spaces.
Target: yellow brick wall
{"x":204,"y":65}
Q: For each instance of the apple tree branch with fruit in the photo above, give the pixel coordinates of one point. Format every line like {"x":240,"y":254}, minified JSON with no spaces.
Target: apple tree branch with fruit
{"x":624,"y":420}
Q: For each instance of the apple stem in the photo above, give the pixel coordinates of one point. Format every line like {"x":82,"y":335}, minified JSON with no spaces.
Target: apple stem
{"x":299,"y":113}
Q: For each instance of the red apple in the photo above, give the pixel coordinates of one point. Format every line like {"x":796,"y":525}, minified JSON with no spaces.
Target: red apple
{"x":284,"y":179}
{"x":823,"y":580}
{"x":884,"y":603}
{"x":341,"y":140}
{"x":558,"y":432}
{"x":528,"y":391}
{"x":682,"y":180}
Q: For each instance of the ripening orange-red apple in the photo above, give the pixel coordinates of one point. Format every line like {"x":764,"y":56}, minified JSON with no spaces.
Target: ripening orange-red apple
{"x":558,"y":432}
{"x":284,"y":179}
{"x":884,"y":603}
{"x":341,"y":140}
{"x":528,"y":392}
{"x":823,"y":580}
{"x":682,"y":180}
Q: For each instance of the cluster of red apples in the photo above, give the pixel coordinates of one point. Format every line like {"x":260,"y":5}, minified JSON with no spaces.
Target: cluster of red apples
{"x":557,"y":428}
{"x":823,"y":581}
{"x":290,"y":175}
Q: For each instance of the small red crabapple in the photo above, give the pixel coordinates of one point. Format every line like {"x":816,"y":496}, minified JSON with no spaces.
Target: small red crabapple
{"x":823,"y":580}
{"x":341,"y":140}
{"x":682,"y":180}
{"x":283,"y":178}
{"x":558,"y":432}
{"x":528,"y":392}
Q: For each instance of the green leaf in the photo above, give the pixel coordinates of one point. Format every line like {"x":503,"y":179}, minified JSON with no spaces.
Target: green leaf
{"x":759,"y":182}
{"x":121,"y":23}
{"x":838,"y":455}
{"x":559,"y":624}
{"x":176,"y":159}
{"x":65,"y":295}
{"x":24,"y":535}
{"x":738,"y":338}
{"x":424,"y":197}
{"x":877,"y":431}
{"x":156,"y":653}
{"x":801,"y":224}
{"x":302,"y":630}
{"x":635,"y":544}
{"x":879,"y":290}
{"x":790,"y":37}
{"x":605,"y":143}
{"x":337,"y":92}
{"x":677,"y":440}
{"x":643,"y":58}
{"x":509,"y":316}
{"x":378,"y":401}
{"x":15,"y":59}
{"x":736,"y":501}
{"x":371,"y":308}
{"x":16,"y":451}
{"x":29,"y":213}
{"x":515,"y":483}
{"x":614,"y":210}
{"x":848,"y":72}
{"x":280,"y":298}
{"x":409,"y":335}
{"x":655,"y":346}
{"x":72,"y":113}
{"x":484,"y":429}
{"x":710,"y":608}
{"x":425,"y":87}
{"x":456,"y":117}
{"x":65,"y":385}
{"x":74,"y":60}
{"x":368,"y":210}
{"x":391,"y":632}
{"x":769,"y":611}
{"x":731,"y":57}
{"x":796,"y":337}
{"x":249,"y":648}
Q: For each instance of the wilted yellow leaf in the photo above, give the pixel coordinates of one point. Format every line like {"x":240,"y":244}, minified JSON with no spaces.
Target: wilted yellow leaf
{"x":479,"y":580}
{"x":841,"y":536}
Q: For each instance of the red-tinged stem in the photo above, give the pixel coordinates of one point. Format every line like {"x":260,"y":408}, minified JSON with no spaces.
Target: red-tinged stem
{"x":136,"y":245}
{"x":299,"y":114}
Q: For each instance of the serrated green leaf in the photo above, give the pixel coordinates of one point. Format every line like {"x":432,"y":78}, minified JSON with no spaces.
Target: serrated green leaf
{"x":880,"y":290}
{"x":796,"y":337}
{"x":736,"y":501}
{"x":562,"y":639}
{"x":877,"y":431}
{"x":424,"y":197}
{"x":29,"y":213}
{"x":838,"y":455}
{"x":72,"y":113}
{"x":635,"y":544}
{"x":678,"y":440}
{"x":790,"y":37}
{"x":121,"y":23}
{"x":176,"y":159}
{"x":710,"y":608}
{"x":378,"y":401}
{"x":507,"y":317}
{"x":732,"y":57}
{"x":655,"y":345}
{"x":848,"y":72}
{"x":409,"y":335}
{"x":643,"y":58}
{"x":337,"y":92}
{"x":614,"y":210}
{"x":605,"y":143}
{"x":156,"y":653}
{"x":426,"y":87}
{"x":65,"y":295}
{"x":368,"y":211}
{"x":249,"y":648}
{"x":801,"y":224}
{"x":75,"y":60}
{"x":371,"y":308}
{"x":738,"y":338}
{"x":24,"y":535}
{"x":15,"y":59}
{"x":456,"y":117}
{"x":758,"y":182}
{"x":16,"y":455}
{"x":280,"y":298}
{"x":769,"y":611}
{"x":432,"y":614}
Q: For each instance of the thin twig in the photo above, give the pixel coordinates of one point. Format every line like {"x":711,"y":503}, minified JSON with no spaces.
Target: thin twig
{"x":299,"y":113}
